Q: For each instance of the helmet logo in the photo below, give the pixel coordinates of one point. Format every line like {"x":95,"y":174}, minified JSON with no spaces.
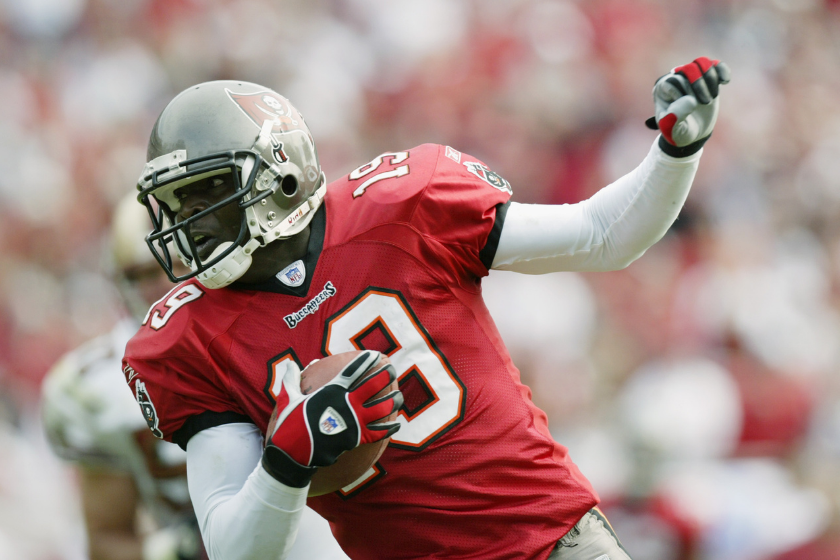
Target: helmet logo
{"x":267,"y":105}
{"x":276,"y":105}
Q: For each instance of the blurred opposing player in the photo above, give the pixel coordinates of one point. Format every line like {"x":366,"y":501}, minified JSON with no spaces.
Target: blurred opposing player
{"x":93,"y":421}
{"x":387,"y":259}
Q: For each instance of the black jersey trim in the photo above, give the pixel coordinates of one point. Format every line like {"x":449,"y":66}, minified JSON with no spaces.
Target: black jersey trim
{"x":205,"y":420}
{"x":317,"y":233}
{"x":488,"y":253}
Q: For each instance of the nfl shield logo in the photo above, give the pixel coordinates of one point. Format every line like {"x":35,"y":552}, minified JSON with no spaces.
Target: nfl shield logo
{"x":293,"y":275}
{"x":331,"y":422}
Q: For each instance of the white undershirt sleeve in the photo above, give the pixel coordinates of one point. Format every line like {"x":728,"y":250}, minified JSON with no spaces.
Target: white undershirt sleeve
{"x":606,"y":232}
{"x":242,"y":511}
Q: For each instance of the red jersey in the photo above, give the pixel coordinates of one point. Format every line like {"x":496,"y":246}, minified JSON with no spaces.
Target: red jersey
{"x":394,"y":263}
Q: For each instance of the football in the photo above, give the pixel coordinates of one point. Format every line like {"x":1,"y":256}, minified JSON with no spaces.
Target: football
{"x":351,"y":465}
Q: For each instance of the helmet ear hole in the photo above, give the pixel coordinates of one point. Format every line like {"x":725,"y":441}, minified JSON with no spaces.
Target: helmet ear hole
{"x":289,"y":185}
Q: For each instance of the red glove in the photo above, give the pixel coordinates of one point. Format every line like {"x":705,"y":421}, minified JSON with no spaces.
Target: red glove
{"x":312,"y":430}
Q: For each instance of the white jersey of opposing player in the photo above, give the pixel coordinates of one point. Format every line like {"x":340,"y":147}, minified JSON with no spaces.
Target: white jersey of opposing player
{"x":91,"y":418}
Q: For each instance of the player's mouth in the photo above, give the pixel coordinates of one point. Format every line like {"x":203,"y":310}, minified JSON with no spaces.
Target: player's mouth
{"x":204,"y":244}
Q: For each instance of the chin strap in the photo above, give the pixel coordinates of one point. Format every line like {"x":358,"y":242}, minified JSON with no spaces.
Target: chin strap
{"x":229,"y":269}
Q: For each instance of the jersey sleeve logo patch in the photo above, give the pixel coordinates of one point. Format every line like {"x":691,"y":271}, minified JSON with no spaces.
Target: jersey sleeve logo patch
{"x":148,"y":408}
{"x":490,"y":177}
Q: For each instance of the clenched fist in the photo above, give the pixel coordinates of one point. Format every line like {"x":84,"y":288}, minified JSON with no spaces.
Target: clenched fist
{"x":686,"y":105}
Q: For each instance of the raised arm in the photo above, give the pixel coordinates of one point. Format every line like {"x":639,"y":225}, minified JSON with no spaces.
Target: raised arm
{"x":620,"y":222}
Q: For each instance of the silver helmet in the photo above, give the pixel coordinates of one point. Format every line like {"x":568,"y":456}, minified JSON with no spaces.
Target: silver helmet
{"x":250,"y":132}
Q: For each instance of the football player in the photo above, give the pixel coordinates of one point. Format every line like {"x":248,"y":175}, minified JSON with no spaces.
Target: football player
{"x":285,"y":269}
{"x":91,"y":420}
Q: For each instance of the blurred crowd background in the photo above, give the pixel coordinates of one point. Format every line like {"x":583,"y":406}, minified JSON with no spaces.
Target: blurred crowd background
{"x":698,"y":388}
